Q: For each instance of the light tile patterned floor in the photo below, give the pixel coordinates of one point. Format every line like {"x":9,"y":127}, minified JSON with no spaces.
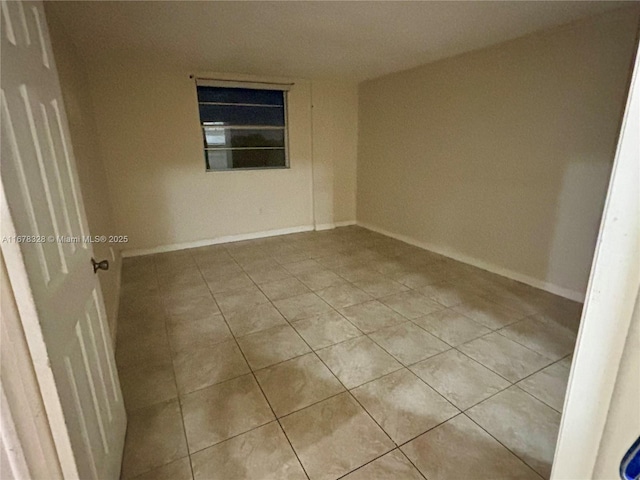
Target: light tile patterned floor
{"x":337,"y":354}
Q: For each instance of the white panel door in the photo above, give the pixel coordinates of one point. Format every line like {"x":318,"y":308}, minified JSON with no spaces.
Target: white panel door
{"x":57,"y":291}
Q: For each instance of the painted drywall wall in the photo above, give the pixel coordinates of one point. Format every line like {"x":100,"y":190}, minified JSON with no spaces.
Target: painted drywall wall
{"x":501,"y":157}
{"x":148,"y":126}
{"x":150,"y":133}
{"x":335,"y":137}
{"x":89,"y":163}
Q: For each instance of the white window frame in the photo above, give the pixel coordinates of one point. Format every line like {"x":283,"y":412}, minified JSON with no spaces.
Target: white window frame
{"x":282,"y":87}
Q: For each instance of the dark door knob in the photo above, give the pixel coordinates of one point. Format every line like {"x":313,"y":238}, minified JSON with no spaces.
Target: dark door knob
{"x":103,"y":265}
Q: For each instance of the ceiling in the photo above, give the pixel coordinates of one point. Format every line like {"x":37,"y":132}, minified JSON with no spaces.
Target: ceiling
{"x":356,"y":40}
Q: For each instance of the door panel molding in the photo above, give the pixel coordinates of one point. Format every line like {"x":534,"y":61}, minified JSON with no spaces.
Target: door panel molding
{"x":56,"y":290}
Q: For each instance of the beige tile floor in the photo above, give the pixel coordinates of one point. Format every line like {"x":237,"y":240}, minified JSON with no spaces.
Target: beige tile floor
{"x":337,"y":354}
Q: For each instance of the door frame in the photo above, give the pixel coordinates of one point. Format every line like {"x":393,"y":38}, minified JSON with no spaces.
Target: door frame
{"x":609,"y":305}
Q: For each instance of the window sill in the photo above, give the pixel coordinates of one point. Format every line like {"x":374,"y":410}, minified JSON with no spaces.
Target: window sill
{"x":213,"y":170}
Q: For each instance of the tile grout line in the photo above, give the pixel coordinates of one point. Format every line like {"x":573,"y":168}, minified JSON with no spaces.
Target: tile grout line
{"x":557,"y":362}
{"x":378,"y":458}
{"x":346,"y":391}
{"x":166,"y":330}
{"x":331,"y":269}
{"x":175,"y":377}
{"x":522,"y":344}
{"x":511,"y":383}
{"x":412,"y":463}
{"x":503,"y":445}
{"x":172,"y":356}
{"x":255,"y":379}
{"x":493,"y":395}
{"x":551,"y":362}
{"x":403,"y":366}
{"x":290,"y":323}
{"x":220,"y":442}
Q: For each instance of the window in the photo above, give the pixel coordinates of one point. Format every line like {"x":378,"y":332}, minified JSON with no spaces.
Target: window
{"x":243,"y":128}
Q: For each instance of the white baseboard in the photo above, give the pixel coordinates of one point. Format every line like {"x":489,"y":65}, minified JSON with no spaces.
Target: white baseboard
{"x":215,"y":241}
{"x":534,"y":282}
{"x":330,"y":226}
{"x":325,"y":226}
{"x":137,"y":252}
{"x":346,"y":223}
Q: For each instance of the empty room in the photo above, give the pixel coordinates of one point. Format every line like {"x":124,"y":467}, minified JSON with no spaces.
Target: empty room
{"x":320,"y":240}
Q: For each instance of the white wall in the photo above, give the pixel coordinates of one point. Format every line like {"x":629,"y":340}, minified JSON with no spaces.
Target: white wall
{"x":501,"y":157}
{"x":149,"y":132}
{"x":335,"y":136}
{"x":89,"y":162}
